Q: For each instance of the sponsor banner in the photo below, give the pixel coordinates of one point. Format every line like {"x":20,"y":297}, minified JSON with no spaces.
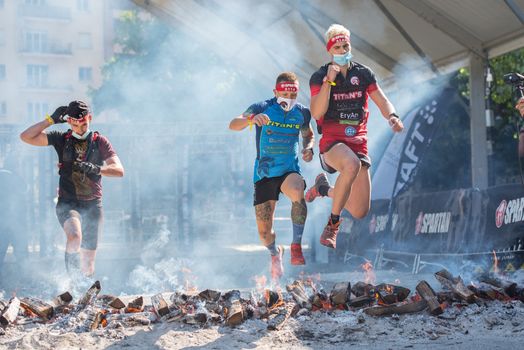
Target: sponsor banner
{"x":504,"y":217}
{"x":371,"y":231}
{"x":433,"y":222}
{"x":458,"y":221}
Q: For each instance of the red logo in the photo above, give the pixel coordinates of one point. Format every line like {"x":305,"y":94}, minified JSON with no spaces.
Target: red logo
{"x":418,"y":223}
{"x":499,"y":214}
{"x":354,"y":81}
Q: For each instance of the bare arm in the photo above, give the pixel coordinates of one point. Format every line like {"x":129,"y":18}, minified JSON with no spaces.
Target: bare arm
{"x":320,"y":102}
{"x":112,"y":167}
{"x":386,"y":108}
{"x":520,"y":106}
{"x":243,"y":121}
{"x":35,"y":135}
{"x":239,"y":123}
{"x":308,"y":140}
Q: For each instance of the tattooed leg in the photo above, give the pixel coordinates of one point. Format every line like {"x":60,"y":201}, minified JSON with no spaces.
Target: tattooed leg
{"x":264,"y":215}
{"x":298,"y":218}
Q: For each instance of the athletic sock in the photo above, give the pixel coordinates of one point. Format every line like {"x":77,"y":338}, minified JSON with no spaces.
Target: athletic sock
{"x":72,"y":262}
{"x":272,"y":248}
{"x":298,"y":230}
{"x":335,"y":218}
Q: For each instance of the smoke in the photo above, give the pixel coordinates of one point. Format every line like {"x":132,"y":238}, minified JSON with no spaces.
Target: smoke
{"x":185,"y":203}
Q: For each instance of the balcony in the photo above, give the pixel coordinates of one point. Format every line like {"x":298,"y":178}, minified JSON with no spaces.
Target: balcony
{"x":46,"y":87}
{"x":45,"y":12}
{"x":50,"y":48}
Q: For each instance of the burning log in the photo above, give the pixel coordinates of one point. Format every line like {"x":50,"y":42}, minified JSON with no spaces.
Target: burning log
{"x":402,"y":308}
{"x":488,"y":291}
{"x":363,"y":300}
{"x":198,"y":318}
{"x":426,"y":292}
{"x":321,"y":301}
{"x":340,"y":293}
{"x":273,"y":299}
{"x":112,"y":301}
{"x":139,"y":318}
{"x":116,"y":303}
{"x":278,"y":319}
{"x":136,"y":305}
{"x":10,"y":312}
{"x":159,"y":305}
{"x":455,"y":284}
{"x":298,"y":292}
{"x":38,"y":307}
{"x":394,"y":293}
{"x":446,"y":297}
{"x":90,"y":295}
{"x":93,"y":318}
{"x":361,"y":288}
{"x":235,"y":313}
{"x":63,"y":299}
{"x":210,"y":295}
{"x":510,"y":288}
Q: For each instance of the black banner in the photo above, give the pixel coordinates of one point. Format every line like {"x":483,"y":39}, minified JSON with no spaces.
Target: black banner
{"x":504,"y":218}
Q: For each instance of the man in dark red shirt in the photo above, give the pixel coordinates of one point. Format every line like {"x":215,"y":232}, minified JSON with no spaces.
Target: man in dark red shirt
{"x":84,"y":157}
{"x":339,"y":104}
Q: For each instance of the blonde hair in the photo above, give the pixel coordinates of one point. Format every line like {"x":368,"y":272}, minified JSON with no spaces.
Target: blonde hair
{"x":336,"y":29}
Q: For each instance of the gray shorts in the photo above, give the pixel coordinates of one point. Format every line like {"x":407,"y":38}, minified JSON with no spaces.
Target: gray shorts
{"x":90,"y":215}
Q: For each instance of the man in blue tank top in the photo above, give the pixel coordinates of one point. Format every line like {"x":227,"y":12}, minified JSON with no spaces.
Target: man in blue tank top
{"x":278,"y":123}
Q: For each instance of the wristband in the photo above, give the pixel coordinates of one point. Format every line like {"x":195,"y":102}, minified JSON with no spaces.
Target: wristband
{"x":332,"y":83}
{"x":391,"y":116}
{"x":250,"y":121}
{"x":49,"y":119}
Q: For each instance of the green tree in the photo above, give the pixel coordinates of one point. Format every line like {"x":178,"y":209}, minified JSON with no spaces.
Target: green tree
{"x":159,"y":74}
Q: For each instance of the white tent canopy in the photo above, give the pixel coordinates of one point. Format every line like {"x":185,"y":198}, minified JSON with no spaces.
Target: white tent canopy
{"x":424,"y":37}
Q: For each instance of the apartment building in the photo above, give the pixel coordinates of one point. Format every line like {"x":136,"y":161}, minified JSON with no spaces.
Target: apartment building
{"x":51,"y":52}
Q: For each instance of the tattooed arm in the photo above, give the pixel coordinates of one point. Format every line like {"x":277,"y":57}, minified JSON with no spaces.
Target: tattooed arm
{"x":308,"y":140}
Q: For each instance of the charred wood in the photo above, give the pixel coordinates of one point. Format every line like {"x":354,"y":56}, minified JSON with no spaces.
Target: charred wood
{"x":340,"y":293}
{"x":159,"y":305}
{"x":428,"y":294}
{"x":361,"y":288}
{"x":90,"y":294}
{"x":455,"y":284}
{"x":10,"y":312}
{"x":38,"y":307}
{"x":403,"y":308}
{"x":234,"y":314}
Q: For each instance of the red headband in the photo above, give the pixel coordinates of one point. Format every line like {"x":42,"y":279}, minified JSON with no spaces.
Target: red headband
{"x":337,"y":39}
{"x":291,"y":86}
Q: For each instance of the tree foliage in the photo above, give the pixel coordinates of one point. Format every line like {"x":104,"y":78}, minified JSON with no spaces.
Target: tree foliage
{"x":160,"y":74}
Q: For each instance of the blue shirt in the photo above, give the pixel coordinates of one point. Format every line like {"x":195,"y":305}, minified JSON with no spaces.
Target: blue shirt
{"x":277,"y":142}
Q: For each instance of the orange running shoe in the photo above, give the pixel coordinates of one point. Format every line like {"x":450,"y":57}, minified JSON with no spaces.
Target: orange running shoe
{"x":277,"y":269}
{"x":297,"y":258}
{"x":329,"y":235}
{"x":312,"y":193}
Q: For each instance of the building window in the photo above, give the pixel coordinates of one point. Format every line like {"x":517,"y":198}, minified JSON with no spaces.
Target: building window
{"x":37,"y":75}
{"x":35,"y":2}
{"x":84,"y":41}
{"x":82,"y":5}
{"x":85,"y":73}
{"x":35,"y":41}
{"x":37,"y":110}
{"x":3,"y":109}
{"x":2,"y":72}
